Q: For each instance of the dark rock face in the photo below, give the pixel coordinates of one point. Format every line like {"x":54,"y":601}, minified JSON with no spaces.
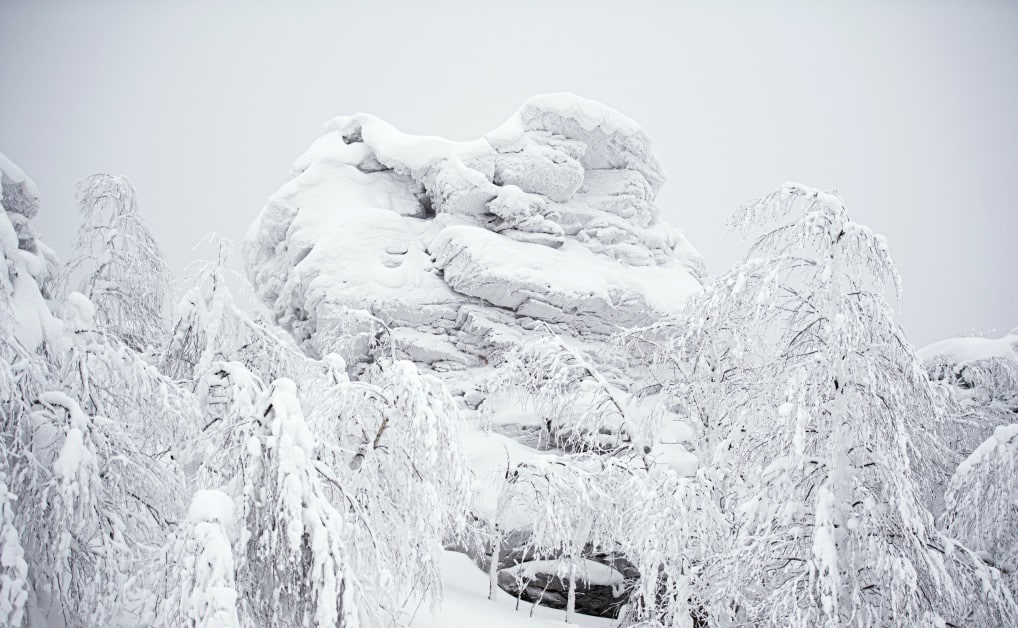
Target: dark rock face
{"x":550,"y":590}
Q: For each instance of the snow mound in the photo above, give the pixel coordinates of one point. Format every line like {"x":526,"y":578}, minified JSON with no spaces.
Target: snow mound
{"x":588,"y":571}
{"x":549,"y":218}
{"x":959,"y":351}
{"x":211,"y":506}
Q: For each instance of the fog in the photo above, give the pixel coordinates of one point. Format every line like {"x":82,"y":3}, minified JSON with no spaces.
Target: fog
{"x":908,"y":108}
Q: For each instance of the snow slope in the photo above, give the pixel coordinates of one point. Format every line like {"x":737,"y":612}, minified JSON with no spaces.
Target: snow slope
{"x":466,"y":604}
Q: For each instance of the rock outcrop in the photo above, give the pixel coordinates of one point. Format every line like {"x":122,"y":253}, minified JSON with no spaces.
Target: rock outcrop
{"x":448,"y":253}
{"x":456,"y":247}
{"x":30,"y":265}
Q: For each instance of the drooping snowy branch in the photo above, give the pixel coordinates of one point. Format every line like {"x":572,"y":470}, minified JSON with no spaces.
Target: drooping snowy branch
{"x":394,"y":463}
{"x":582,"y":410}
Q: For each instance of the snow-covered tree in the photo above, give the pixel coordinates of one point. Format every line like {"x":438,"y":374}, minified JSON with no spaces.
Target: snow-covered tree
{"x":579,"y":506}
{"x":983,"y":390}
{"x":813,"y":407}
{"x":81,"y":495}
{"x":117,"y":264}
{"x":378,"y":472}
{"x":391,"y":457}
{"x":982,"y":501}
{"x":203,"y":591}
{"x":88,"y":515}
{"x":292,"y":564}
{"x":230,"y":395}
{"x":115,"y":381}
{"x":13,"y":568}
{"x":210,"y":327}
{"x":582,"y":410}
{"x":671,"y":528}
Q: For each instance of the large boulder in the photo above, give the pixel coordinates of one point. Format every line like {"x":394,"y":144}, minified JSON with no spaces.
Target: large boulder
{"x":600,"y":587}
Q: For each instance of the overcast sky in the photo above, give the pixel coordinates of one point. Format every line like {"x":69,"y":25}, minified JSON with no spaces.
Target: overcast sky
{"x":910,"y":109}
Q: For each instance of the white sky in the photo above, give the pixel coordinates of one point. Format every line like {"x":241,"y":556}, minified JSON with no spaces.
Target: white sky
{"x":910,"y":109}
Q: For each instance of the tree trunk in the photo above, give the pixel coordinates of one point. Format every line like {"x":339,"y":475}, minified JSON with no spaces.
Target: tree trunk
{"x":496,"y":550}
{"x":571,"y":600}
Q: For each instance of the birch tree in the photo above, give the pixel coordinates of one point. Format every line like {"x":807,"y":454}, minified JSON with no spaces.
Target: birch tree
{"x":390,"y":457}
{"x":578,"y":508}
{"x":292,"y":556}
{"x":811,"y":400}
{"x":984,"y":395}
{"x":208,"y":326}
{"x":202,"y":592}
{"x":581,"y":409}
{"x":117,"y":264}
{"x":982,"y":502}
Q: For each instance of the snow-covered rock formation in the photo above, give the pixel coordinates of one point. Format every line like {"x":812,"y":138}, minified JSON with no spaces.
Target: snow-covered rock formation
{"x":962,"y":351}
{"x":451,"y":253}
{"x":457,"y":248}
{"x":30,"y":263}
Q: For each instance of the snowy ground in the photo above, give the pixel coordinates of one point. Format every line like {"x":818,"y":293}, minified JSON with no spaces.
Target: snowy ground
{"x":466,"y":604}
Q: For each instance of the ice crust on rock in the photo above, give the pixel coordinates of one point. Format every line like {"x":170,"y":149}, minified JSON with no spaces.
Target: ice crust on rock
{"x":453,"y":247}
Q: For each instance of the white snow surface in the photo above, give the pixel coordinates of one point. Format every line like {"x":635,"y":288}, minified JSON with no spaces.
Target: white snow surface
{"x":587,"y":571}
{"x":465,"y":603}
{"x":211,"y":506}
